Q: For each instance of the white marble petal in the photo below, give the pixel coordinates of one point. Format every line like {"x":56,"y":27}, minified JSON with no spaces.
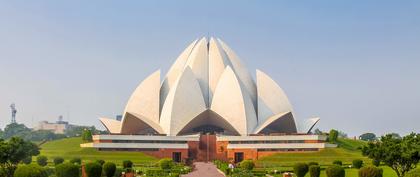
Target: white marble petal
{"x":308,"y":124}
{"x":145,"y":99}
{"x":241,"y":71}
{"x":112,"y":125}
{"x":217,"y":64}
{"x":198,"y":61}
{"x":184,"y":102}
{"x":271,"y":98}
{"x":233,"y":103}
{"x":175,"y":71}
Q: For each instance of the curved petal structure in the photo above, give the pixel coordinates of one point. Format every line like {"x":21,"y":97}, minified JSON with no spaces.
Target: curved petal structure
{"x":184,"y":102}
{"x":174,"y":72}
{"x":208,"y":89}
{"x":199,"y":64}
{"x":271,"y":98}
{"x":282,"y":122}
{"x":145,"y":99}
{"x":241,"y":71}
{"x":233,"y":103}
{"x":137,"y":124}
{"x":308,"y":124}
{"x":113,"y":126}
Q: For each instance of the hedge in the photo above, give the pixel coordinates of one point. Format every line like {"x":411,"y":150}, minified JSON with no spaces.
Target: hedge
{"x":67,"y":170}
{"x":30,"y":171}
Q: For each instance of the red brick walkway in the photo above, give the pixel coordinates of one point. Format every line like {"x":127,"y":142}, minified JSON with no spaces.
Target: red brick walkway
{"x":203,"y":169}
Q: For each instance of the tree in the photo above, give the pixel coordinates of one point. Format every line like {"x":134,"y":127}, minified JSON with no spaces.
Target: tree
{"x":247,"y":165}
{"x":58,"y":160}
{"x":367,"y":137}
{"x":300,"y":169}
{"x":370,"y":172}
{"x":314,"y":171}
{"x":401,"y":154}
{"x":15,"y":129}
{"x":335,"y":171}
{"x":164,"y":164}
{"x":67,"y":170}
{"x":76,"y":160}
{"x":357,"y":163}
{"x":413,"y":173}
{"x":87,"y":135}
{"x":30,"y":171}
{"x":333,"y":136}
{"x":13,"y":152}
{"x":109,"y":169}
{"x":93,"y":169}
{"x":42,"y":161}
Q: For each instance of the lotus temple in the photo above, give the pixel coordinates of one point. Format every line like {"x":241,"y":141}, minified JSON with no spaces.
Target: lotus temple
{"x":208,"y":106}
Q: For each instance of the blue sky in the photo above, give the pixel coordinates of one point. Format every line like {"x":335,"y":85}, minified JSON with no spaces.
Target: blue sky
{"x":356,"y":64}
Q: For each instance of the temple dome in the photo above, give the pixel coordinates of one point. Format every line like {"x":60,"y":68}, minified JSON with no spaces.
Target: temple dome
{"x":207,"y":88}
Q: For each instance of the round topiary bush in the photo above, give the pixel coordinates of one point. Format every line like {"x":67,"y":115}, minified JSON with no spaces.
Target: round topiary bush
{"x":314,"y":171}
{"x":335,"y":171}
{"x":93,"y":169}
{"x":42,"y":160}
{"x":247,"y":165}
{"x":357,"y":163}
{"x":300,"y":169}
{"x":413,"y":173}
{"x":109,"y":169}
{"x":27,"y":160}
{"x":101,"y":162}
{"x":30,"y":171}
{"x":67,"y":170}
{"x":376,"y":162}
{"x":370,"y":172}
{"x":76,"y":160}
{"x":58,"y":160}
{"x":166,"y":163}
{"x":338,"y":162}
{"x":127,"y":164}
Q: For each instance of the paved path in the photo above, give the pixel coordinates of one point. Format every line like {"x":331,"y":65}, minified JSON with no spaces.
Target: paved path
{"x":203,"y":169}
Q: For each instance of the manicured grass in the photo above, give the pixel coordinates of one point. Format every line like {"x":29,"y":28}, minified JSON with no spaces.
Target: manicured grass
{"x":70,"y":147}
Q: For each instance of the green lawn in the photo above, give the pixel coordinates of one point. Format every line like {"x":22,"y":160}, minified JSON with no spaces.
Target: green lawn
{"x":70,"y":147}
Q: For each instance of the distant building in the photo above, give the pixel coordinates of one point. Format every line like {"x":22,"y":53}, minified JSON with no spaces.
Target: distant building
{"x":118,"y":117}
{"x":58,"y":127}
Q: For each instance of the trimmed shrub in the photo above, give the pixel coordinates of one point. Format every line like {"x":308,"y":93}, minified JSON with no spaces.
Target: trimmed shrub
{"x":300,"y":169}
{"x":76,"y":160}
{"x":109,"y":169}
{"x":27,"y":160}
{"x":335,"y":171}
{"x":30,"y":171}
{"x":166,"y":163}
{"x":42,"y":160}
{"x":357,"y":163}
{"x":413,"y":173}
{"x":127,"y":164}
{"x":247,"y":165}
{"x":67,"y":170}
{"x":58,"y":160}
{"x":312,"y":163}
{"x":93,"y":169}
{"x":314,"y":171}
{"x":376,"y":162}
{"x":338,"y":162}
{"x":370,"y":172}
{"x":101,"y":162}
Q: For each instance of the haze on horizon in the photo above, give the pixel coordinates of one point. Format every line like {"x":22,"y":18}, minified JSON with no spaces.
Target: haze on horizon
{"x":354,"y":64}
